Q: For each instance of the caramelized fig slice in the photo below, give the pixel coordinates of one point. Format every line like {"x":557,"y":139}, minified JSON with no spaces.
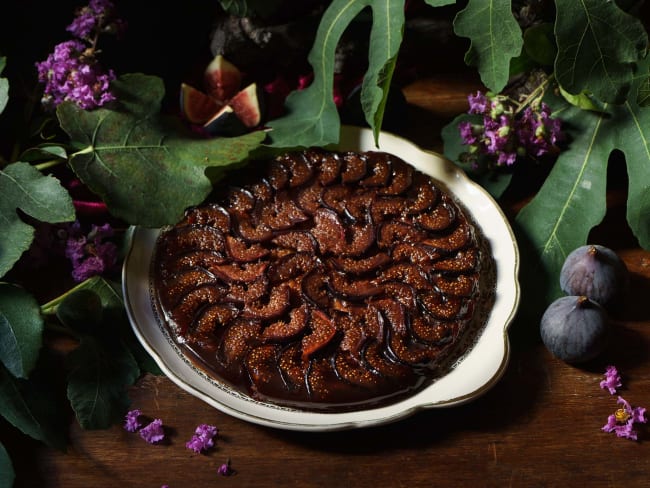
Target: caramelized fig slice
{"x":443,"y":307}
{"x":362,"y":265}
{"x":243,"y":251}
{"x":358,"y":207}
{"x":410,"y":274}
{"x":184,"y":281}
{"x":315,"y":289}
{"x":240,"y":336}
{"x":309,"y":198}
{"x":253,"y":233}
{"x":439,"y":218}
{"x":183,"y":314}
{"x":401,"y":180}
{"x":403,"y":293}
{"x":390,"y":233}
{"x":213,"y":317}
{"x":291,"y":367}
{"x":240,"y":201}
{"x":322,"y":332}
{"x":414,"y":253}
{"x":262,"y":191}
{"x":262,"y":367}
{"x":335,"y":197}
{"x":354,"y":167}
{"x":276,"y":305}
{"x":460,"y":237}
{"x":290,"y":266}
{"x":462,"y":285}
{"x":422,"y":195}
{"x":277,"y":175}
{"x":465,"y":260}
{"x":296,"y":240}
{"x":411,"y":353}
{"x":330,"y":168}
{"x":191,"y":260}
{"x":387,"y":208}
{"x":434,"y":332}
{"x":213,"y":215}
{"x":378,"y":169}
{"x":360,"y":237}
{"x":179,"y":240}
{"x":378,"y":362}
{"x":282,"y":214}
{"x":328,"y":231}
{"x":299,"y":168}
{"x":321,"y":379}
{"x":354,"y":334}
{"x":244,"y":272}
{"x":247,"y":292}
{"x":358,"y":289}
{"x":281,"y":330}
{"x":353,"y":371}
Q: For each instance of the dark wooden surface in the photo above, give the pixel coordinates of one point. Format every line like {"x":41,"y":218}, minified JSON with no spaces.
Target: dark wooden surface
{"x":538,"y":427}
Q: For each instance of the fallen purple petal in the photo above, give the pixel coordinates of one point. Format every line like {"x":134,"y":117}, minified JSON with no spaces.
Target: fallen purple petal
{"x":153,"y":432}
{"x":612,"y":380}
{"x":133,"y":420}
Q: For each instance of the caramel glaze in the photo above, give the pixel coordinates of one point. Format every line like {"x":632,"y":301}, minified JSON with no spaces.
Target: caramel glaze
{"x":333,"y":280}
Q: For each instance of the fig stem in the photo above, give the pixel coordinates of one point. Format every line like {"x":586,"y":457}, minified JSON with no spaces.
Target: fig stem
{"x":582,"y":301}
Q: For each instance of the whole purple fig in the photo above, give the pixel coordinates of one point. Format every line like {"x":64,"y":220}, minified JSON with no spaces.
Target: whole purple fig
{"x":574,"y":329}
{"x":596,"y":272}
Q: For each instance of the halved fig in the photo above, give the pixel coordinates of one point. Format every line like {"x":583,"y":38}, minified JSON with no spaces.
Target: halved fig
{"x":432,"y":331}
{"x":390,"y":233}
{"x":213,"y":317}
{"x":406,"y":273}
{"x":248,"y":106}
{"x":300,"y":169}
{"x":271,"y":308}
{"x":237,"y":341}
{"x":357,"y":289}
{"x":336,"y":197}
{"x":322,"y":332}
{"x":283,"y":331}
{"x":462,"y":261}
{"x":243,"y":251}
{"x":442,"y":306}
{"x":403,"y":293}
{"x":247,"y":292}
{"x":328,"y":231}
{"x":290,"y":266}
{"x":314,"y":288}
{"x":359,"y":238}
{"x":438,"y":218}
{"x":225,"y":123}
{"x":414,"y":253}
{"x":240,"y":201}
{"x":213,"y":215}
{"x":244,"y":272}
{"x":182,"y":315}
{"x":463,"y":285}
{"x":354,"y":167}
{"x":309,"y":198}
{"x":196,"y":106}
{"x":184,"y":281}
{"x":401,"y":178}
{"x":281,"y":214}
{"x":199,"y":259}
{"x":458,"y":238}
{"x":193,"y":237}
{"x":253,"y":232}
{"x":330,"y":169}
{"x":378,"y":170}
{"x":422,"y":195}
{"x":296,"y":240}
{"x":361,"y":265}
{"x":222,"y":78}
{"x":262,"y":367}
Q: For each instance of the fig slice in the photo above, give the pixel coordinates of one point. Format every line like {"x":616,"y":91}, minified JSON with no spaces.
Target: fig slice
{"x":291,"y":266}
{"x":291,"y":367}
{"x":314,"y":288}
{"x":328,"y":231}
{"x":277,"y":175}
{"x":225,"y":123}
{"x":458,"y":238}
{"x":377,"y":361}
{"x":309,"y":198}
{"x":200,"y":259}
{"x":433,"y":332}
{"x":354,"y":167}
{"x":443,"y":307}
{"x":414,"y":253}
{"x":222,"y":79}
{"x":237,"y":340}
{"x":212,"y":317}
{"x":299,"y":168}
{"x":179,"y":240}
{"x":390,"y":233}
{"x":243,"y":251}
{"x":406,"y":273}
{"x":330,"y":169}
{"x":244,"y":272}
{"x":247,"y":106}
{"x":336,"y":197}
{"x":247,"y":292}
{"x":182,"y":315}
{"x":352,"y":290}
{"x":240,"y":201}
{"x":386,"y":208}
{"x":283,"y":331}
{"x":282,"y":214}
{"x":361,"y":265}
{"x":253,"y":233}
{"x":462,"y":285}
{"x":360,"y":237}
{"x":276,"y":305}
{"x":296,"y":240}
{"x":354,"y":372}
{"x":212,"y":215}
{"x":185,"y":280}
{"x":323,"y":331}
{"x":465,"y":260}
{"x":378,"y":169}
{"x":402,"y":177}
{"x":439,"y":218}
{"x":262,"y":367}
{"x":422,"y":195}
{"x":196,"y":106}
{"x":403,"y":293}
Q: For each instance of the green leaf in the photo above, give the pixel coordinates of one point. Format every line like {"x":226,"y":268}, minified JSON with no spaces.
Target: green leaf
{"x":539,"y":43}
{"x":385,"y":41}
{"x":21,"y":330}
{"x":495,"y":39}
{"x":44,"y":151}
{"x":583,"y":100}
{"x":29,"y":406}
{"x":4,"y":86}
{"x":7,"y":475}
{"x":312,"y":117}
{"x":81,"y":310}
{"x":147,"y":169}
{"x":42,"y":197}
{"x":598,"y":48}
{"x":439,"y":3}
{"x":99,"y":374}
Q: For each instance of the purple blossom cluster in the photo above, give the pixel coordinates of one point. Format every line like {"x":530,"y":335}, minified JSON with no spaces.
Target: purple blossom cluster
{"x":203,"y":438}
{"x":91,"y":254}
{"x":504,"y":135}
{"x":622,"y":422}
{"x":153,"y":432}
{"x":72,"y":72}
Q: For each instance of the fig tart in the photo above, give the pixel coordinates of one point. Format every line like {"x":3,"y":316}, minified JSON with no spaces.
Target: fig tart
{"x":325,"y":280}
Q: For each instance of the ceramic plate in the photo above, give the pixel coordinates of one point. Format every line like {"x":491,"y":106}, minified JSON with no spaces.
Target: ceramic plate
{"x":473,"y":375}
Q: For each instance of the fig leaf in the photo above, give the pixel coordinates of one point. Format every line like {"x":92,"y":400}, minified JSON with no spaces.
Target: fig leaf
{"x":4,"y":86}
{"x":146,"y":168}
{"x":602,"y":59}
{"x":7,"y":474}
{"x":495,"y":37}
{"x":23,"y":187}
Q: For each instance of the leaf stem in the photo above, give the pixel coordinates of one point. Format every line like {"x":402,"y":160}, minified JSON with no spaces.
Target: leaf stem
{"x":49,"y":164}
{"x":535,"y":94}
{"x":49,"y":308}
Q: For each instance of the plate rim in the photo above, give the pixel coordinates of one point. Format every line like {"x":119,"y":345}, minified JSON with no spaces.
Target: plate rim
{"x":330,"y":421}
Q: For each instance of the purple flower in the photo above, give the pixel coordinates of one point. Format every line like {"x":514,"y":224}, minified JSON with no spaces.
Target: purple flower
{"x":225,"y":469}
{"x":203,"y":438}
{"x":478,"y":104}
{"x":612,"y":380}
{"x":622,"y":421}
{"x":153,"y":432}
{"x":90,"y":254}
{"x":132,"y":420}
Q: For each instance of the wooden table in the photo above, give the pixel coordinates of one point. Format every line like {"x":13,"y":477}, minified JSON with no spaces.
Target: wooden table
{"x":538,"y":427}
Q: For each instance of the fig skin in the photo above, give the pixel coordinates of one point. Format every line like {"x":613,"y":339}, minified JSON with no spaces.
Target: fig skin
{"x":596,"y":272}
{"x":575,"y":329}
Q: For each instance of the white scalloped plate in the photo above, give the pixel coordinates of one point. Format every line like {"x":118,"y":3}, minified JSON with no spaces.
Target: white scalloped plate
{"x":476,"y":373}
